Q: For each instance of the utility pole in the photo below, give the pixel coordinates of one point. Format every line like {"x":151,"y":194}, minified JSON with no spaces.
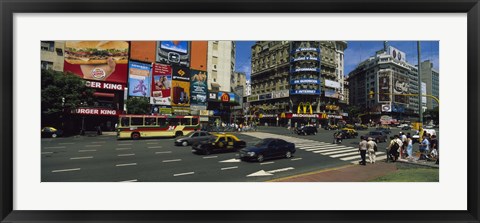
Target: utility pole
{"x":420,"y":104}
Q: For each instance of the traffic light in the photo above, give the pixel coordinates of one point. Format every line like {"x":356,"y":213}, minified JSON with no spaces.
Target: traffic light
{"x":371,"y":94}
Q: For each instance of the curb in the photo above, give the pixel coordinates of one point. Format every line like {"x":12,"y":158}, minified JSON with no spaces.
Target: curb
{"x":419,"y":164}
{"x":310,"y":173}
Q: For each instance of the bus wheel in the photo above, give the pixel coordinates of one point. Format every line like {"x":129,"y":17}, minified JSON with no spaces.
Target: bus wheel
{"x":135,"y":135}
{"x":179,"y":133}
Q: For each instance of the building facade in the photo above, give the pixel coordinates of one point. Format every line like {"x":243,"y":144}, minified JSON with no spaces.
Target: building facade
{"x":295,"y":81}
{"x":52,"y":55}
{"x":346,"y":92}
{"x":431,"y":78}
{"x":387,"y":75}
{"x":220,"y":65}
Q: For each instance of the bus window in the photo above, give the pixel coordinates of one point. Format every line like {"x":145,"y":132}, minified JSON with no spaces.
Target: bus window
{"x":136,"y":121}
{"x":185,"y":121}
{"x":125,"y":121}
{"x":173,"y":121}
{"x":194,"y":121}
{"x":150,"y":121}
{"x":162,"y":121}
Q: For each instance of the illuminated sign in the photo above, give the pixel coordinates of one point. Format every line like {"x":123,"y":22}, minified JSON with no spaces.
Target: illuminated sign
{"x":305,"y":91}
{"x":305,"y":81}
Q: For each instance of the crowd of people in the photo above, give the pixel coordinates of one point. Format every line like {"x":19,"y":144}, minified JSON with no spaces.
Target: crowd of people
{"x":401,"y":147}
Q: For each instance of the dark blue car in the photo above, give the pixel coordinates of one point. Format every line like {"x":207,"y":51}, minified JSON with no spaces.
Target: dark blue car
{"x":268,"y":148}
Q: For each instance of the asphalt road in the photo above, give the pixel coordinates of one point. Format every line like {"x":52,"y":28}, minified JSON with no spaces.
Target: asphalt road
{"x":106,"y":159}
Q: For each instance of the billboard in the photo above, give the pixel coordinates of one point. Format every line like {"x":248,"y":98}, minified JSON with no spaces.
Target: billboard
{"x":161,"y":84}
{"x":198,"y":87}
{"x":305,"y":81}
{"x":397,"y":54}
{"x":143,"y":51}
{"x":173,"y":52}
{"x":97,"y":60}
{"x":384,"y":92}
{"x":198,"y":59}
{"x":400,"y":86}
{"x":180,"y":74}
{"x":305,"y":91}
{"x":330,"y":93}
{"x":139,"y":79}
{"x":180,"y":93}
{"x":227,"y":97}
{"x":332,"y":84}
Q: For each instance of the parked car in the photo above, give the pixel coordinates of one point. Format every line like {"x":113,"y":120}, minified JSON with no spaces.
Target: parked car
{"x":268,"y":148}
{"x":219,"y":143}
{"x":377,"y":136}
{"x":416,"y":137}
{"x":193,"y":137}
{"x":407,"y":127}
{"x":307,"y":130}
{"x":51,"y":132}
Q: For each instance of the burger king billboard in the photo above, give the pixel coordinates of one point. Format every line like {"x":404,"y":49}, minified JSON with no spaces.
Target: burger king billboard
{"x":104,"y":61}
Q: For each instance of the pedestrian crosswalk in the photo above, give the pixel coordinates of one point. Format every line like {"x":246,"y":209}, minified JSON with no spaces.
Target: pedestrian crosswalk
{"x":337,"y":151}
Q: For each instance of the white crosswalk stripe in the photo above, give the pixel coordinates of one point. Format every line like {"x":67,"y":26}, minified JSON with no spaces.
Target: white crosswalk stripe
{"x":336,"y":151}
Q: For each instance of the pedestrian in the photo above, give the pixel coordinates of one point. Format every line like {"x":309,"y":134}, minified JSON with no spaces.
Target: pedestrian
{"x":409,"y":146}
{"x":362,"y":147}
{"x":393,"y":148}
{"x":434,"y":146}
{"x":424,"y":148}
{"x":99,"y":130}
{"x":372,"y":149}
{"x":403,"y":149}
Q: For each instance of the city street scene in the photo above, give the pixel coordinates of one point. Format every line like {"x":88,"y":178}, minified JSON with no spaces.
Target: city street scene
{"x":239,"y":111}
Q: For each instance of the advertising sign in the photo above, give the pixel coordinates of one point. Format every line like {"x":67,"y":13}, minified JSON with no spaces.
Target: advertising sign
{"x":300,"y":69}
{"x":198,"y":87}
{"x":331,"y":93}
{"x":161,"y":110}
{"x":173,"y":52}
{"x":198,"y":60}
{"x":265,"y":96}
{"x":305,"y":81}
{"x":307,"y":49}
{"x":400,"y":86}
{"x":212,"y":96}
{"x":424,"y":92}
{"x":139,"y":79}
{"x":97,"y":111}
{"x":305,"y":58}
{"x":226,"y":97}
{"x":332,"y":84}
{"x":180,"y":93}
{"x":105,"y":85}
{"x":384,"y":85}
{"x":252,"y":98}
{"x":180,"y":110}
{"x":316,"y":92}
{"x":143,"y":51}
{"x":386,"y":108}
{"x":397,"y":54}
{"x":280,"y":94}
{"x":161,"y":84}
{"x":97,"y":60}
{"x":180,"y":74}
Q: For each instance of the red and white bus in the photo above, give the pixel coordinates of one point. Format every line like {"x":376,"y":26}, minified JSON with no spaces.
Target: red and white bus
{"x":146,"y":126}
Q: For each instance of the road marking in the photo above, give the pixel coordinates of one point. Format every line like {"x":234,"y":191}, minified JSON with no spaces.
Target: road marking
{"x":337,"y":152}
{"x":151,"y":143}
{"x":128,"y":144}
{"x":231,"y":161}
{"x":47,"y":152}
{"x":181,"y":174}
{"x":55,"y":147}
{"x":98,"y":142}
{"x":154,"y":147}
{"x":331,"y":150}
{"x":296,"y":159}
{"x":268,"y":173}
{"x":266,"y":163}
{"x":134,"y":180}
{"x":86,"y":150}
{"x":345,"y":154}
{"x":163,"y":152}
{"x":377,"y":159}
{"x":366,"y":155}
{"x":127,"y":164}
{"x":229,"y":168}
{"x":65,"y":170}
{"x":323,"y":147}
{"x":128,"y":154}
{"x":122,"y":148}
{"x":210,"y":157}
{"x":81,"y":158}
{"x":65,"y":143}
{"x":167,"y":161}
{"x":92,"y":145}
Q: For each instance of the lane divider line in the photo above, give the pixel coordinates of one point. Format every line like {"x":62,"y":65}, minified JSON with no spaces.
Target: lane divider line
{"x":229,"y":168}
{"x":163,"y":152}
{"x":122,"y":148}
{"x":210,"y":157}
{"x":296,"y":159}
{"x":47,"y":152}
{"x":134,"y":180}
{"x":154,"y":147}
{"x":65,"y":170}
{"x":128,"y":154}
{"x":86,"y":150}
{"x":266,"y":163}
{"x":127,"y":164}
{"x":55,"y":147}
{"x":168,"y":161}
{"x":92,"y":145}
{"x":182,"y":174}
{"x":81,"y":158}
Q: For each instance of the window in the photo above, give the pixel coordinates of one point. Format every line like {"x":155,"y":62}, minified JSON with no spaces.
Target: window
{"x":195,"y":134}
{"x":194,"y":121}
{"x":162,"y":121}
{"x":229,"y":139}
{"x":150,"y":121}
{"x":215,"y":45}
{"x":136,"y":121}
{"x":125,"y":121}
{"x":47,"y":45}
{"x":173,"y":121}
{"x":46,"y":65}
{"x":59,"y":51}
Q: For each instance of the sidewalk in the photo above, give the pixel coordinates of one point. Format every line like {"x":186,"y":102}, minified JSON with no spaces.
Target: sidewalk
{"x":349,"y":173}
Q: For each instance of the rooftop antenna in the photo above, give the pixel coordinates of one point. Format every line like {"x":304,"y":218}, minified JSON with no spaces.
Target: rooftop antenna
{"x":385,"y":46}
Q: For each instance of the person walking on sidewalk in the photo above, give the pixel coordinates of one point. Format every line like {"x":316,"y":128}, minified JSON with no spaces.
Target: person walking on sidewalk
{"x":393,"y":147}
{"x":371,"y":148}
{"x":403,"y":149}
{"x":362,"y":147}
{"x":424,"y":148}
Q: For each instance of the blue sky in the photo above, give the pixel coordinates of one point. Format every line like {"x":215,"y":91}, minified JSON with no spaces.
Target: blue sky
{"x":356,"y":52}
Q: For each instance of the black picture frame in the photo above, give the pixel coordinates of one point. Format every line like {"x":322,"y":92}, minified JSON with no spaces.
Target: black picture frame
{"x":9,"y":7}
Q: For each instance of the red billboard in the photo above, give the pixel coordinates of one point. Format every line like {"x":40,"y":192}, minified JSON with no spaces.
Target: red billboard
{"x":97,"y":60}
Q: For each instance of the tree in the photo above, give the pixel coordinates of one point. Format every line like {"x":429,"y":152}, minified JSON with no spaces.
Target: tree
{"x":57,"y":85}
{"x":138,"y":105}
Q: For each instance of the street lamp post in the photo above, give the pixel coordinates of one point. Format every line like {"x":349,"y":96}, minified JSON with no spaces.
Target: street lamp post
{"x":420,"y":110}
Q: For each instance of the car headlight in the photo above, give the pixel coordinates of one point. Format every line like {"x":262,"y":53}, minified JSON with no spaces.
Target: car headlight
{"x":251,"y":153}
{"x":179,"y":141}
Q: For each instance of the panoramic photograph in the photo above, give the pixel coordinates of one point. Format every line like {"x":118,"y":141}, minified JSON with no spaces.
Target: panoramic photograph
{"x":239,"y":111}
